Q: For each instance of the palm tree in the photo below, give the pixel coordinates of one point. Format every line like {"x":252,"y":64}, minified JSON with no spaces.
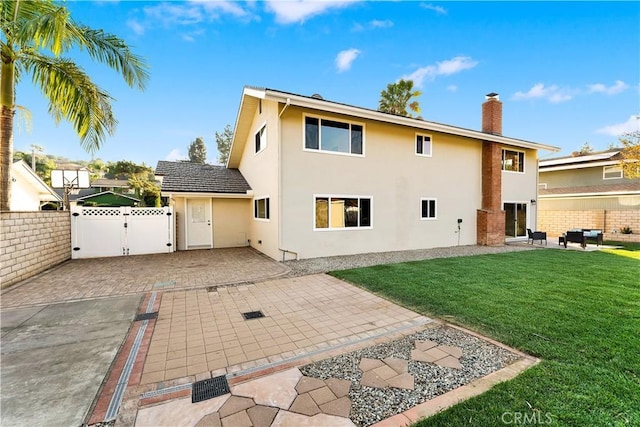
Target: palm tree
{"x":395,"y":99}
{"x":35,"y":36}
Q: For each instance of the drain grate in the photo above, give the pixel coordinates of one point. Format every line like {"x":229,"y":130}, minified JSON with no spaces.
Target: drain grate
{"x":252,"y":315}
{"x":146,"y":316}
{"x":209,"y":388}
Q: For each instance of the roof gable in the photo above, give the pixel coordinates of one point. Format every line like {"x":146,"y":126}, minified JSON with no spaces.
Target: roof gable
{"x":186,"y":177}
{"x":22,"y":169}
{"x":251,"y":97}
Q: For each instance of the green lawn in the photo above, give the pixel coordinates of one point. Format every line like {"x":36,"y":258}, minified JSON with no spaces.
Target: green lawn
{"x":577,"y":311}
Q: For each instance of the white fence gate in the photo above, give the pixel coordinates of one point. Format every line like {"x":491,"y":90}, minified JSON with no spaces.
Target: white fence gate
{"x":104,"y":232}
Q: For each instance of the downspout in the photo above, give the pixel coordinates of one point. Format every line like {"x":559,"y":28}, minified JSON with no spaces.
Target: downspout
{"x":280,"y":204}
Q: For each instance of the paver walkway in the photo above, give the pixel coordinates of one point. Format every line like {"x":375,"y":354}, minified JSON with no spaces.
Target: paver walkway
{"x":198,"y":331}
{"x":106,"y":277}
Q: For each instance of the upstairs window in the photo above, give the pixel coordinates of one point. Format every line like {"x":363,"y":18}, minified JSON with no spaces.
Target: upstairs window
{"x":428,"y":208}
{"x":423,"y":145}
{"x":261,"y":139}
{"x":512,"y":161}
{"x":261,"y":208}
{"x":333,"y":136}
{"x":334,"y":212}
{"x":612,"y":172}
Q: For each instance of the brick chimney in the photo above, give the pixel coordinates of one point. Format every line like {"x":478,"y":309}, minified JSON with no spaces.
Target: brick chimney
{"x":492,"y":114}
{"x":491,"y":217}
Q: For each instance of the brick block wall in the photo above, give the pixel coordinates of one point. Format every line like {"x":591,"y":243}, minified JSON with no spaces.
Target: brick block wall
{"x":31,"y":242}
{"x":557,"y":222}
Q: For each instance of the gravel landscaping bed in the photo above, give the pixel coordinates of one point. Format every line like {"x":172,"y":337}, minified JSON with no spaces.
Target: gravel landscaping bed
{"x":370,"y":405}
{"x":326,"y":264}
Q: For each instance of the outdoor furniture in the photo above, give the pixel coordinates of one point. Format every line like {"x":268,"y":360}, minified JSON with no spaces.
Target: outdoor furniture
{"x":595,"y":235}
{"x":582,"y":236}
{"x":537,"y":235}
{"x":575,"y":236}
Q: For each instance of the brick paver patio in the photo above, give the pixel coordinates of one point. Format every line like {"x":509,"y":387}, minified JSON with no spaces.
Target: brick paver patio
{"x":202,"y":330}
{"x":104,"y":277}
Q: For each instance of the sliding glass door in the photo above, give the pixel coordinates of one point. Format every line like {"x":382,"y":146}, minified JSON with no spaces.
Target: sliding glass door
{"x":515,"y":219}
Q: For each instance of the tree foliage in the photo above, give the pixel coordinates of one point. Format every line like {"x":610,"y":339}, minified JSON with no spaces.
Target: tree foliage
{"x":146,"y":188}
{"x":198,"y":151}
{"x":122,"y":169}
{"x":35,"y":36}
{"x":224,"y":140}
{"x":630,"y":154}
{"x":396,"y":98}
{"x":44,"y":165}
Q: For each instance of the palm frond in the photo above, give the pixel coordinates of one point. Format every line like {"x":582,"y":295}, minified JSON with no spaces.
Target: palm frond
{"x":74,"y":97}
{"x":114,"y":52}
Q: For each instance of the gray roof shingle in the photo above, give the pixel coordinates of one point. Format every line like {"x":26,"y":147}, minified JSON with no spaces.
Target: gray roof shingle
{"x":188,"y":177}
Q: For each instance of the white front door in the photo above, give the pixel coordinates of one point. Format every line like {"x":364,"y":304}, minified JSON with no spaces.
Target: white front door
{"x":199,"y":234}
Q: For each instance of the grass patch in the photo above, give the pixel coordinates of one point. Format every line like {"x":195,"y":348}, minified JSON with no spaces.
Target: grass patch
{"x":578,"y":311}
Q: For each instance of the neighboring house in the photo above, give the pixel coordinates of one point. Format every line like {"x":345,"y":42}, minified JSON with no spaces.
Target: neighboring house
{"x":588,"y":191}
{"x":28,"y":191}
{"x":106,"y":198}
{"x":325,"y":178}
{"x":115,"y":185}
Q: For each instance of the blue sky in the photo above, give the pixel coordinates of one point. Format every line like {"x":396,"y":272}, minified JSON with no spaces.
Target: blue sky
{"x":567,"y":73}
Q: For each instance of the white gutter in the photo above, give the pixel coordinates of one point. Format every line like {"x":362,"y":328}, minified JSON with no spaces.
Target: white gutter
{"x":578,"y":195}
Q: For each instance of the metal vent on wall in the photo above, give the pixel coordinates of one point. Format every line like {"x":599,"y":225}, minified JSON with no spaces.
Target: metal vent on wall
{"x":209,"y":388}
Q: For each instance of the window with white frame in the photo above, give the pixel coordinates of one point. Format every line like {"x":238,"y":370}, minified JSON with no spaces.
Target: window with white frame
{"x":428,"y":208}
{"x":261,"y":139}
{"x":261,"y":208}
{"x":512,"y":161}
{"x":612,"y":172}
{"x":342,"y":212}
{"x":333,"y":136}
{"x":423,"y":145}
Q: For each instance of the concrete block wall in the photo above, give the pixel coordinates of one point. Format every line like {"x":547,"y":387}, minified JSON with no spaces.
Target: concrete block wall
{"x":557,"y":222}
{"x":31,"y":242}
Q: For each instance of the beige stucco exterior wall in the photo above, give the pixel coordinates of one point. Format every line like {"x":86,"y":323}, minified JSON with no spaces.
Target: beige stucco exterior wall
{"x":393,"y":176}
{"x":231,"y":219}
{"x":261,"y":172}
{"x":522,"y":187}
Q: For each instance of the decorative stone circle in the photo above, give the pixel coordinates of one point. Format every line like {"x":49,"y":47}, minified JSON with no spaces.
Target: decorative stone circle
{"x":442,"y":355}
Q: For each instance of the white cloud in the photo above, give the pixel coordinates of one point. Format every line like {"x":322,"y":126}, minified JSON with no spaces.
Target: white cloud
{"x":136,"y":26}
{"x":443,"y":68}
{"x":190,"y":13}
{"x":616,"y":88}
{"x":345,"y":59}
{"x":174,"y":155}
{"x":452,"y":88}
{"x":631,"y":125}
{"x":381,"y":24}
{"x":372,"y":25}
{"x":438,"y":9}
{"x":291,"y":11}
{"x":553,"y":93}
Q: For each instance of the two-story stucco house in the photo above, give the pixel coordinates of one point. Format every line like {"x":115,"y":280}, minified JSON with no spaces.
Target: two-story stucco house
{"x":323,"y":178}
{"x":588,"y":191}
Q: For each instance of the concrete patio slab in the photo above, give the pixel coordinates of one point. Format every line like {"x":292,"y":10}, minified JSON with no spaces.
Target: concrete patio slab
{"x":55,"y":358}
